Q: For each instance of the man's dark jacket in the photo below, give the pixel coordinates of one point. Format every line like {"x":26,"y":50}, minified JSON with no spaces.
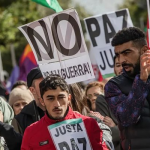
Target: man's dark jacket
{"x":135,"y":136}
{"x":29,"y":114}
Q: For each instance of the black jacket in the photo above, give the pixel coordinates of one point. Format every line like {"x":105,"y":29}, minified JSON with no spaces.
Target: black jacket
{"x":135,"y":136}
{"x":29,"y":114}
{"x":12,"y":138}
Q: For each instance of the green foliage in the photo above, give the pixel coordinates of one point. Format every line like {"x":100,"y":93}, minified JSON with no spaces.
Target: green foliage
{"x":138,"y":12}
{"x":12,"y":16}
{"x":14,"y":13}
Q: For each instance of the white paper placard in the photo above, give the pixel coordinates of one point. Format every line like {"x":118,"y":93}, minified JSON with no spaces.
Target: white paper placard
{"x":57,"y":42}
{"x":70,"y":135}
{"x":72,"y":70}
{"x":101,"y":29}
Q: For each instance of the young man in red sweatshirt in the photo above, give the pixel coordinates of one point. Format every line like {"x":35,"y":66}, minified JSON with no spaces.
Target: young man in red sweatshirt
{"x":61,"y":128}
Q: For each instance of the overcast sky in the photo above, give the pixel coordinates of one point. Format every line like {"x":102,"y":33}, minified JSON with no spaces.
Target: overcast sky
{"x":99,"y":6}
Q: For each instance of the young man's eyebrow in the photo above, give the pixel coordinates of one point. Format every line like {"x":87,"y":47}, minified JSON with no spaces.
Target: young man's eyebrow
{"x":50,"y":96}
{"x":61,"y":95}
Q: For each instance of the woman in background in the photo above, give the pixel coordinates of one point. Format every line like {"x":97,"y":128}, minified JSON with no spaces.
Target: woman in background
{"x":76,"y":103}
{"x":19,"y":98}
{"x":95,"y":101}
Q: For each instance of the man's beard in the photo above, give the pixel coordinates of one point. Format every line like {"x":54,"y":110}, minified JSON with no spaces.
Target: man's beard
{"x":135,"y":71}
{"x":57,"y":118}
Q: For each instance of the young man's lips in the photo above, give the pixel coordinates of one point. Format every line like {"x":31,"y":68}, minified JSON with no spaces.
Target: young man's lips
{"x":57,"y":110}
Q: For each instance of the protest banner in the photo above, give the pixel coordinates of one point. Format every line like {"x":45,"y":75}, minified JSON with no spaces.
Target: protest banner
{"x":70,"y":135}
{"x":101,"y":30}
{"x":57,"y":41}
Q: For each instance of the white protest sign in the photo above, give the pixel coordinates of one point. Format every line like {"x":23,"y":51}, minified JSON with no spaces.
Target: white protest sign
{"x":58,"y":39}
{"x":101,"y":30}
{"x":70,"y":135}
{"x":76,"y":68}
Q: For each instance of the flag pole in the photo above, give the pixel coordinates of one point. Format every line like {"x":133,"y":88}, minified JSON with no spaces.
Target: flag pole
{"x":13,"y":56}
{"x":1,"y":69}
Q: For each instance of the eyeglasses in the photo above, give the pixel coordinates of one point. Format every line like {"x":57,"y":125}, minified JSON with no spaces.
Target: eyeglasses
{"x":90,"y":96}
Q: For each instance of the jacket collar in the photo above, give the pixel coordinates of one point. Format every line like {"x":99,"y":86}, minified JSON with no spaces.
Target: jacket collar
{"x":68,"y":116}
{"x":30,"y":109}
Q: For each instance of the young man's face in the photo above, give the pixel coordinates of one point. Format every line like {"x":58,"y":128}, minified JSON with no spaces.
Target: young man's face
{"x":56,"y":102}
{"x":129,"y":57}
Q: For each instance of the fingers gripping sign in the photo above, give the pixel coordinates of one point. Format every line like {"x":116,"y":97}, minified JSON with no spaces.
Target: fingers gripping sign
{"x":145,"y":66}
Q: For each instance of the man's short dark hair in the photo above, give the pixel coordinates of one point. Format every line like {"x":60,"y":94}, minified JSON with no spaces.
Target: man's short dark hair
{"x":133,"y":34}
{"x":51,"y":82}
{"x":19,"y":83}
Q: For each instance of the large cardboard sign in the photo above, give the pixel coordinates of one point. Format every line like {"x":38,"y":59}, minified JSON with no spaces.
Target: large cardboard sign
{"x":58,"y":44}
{"x":70,"y":135}
{"x":101,"y":30}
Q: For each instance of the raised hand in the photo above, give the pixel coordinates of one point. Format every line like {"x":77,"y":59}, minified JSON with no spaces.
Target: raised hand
{"x":145,"y":66}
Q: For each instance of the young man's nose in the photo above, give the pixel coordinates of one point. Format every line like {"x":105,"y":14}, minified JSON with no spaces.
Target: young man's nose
{"x":56,"y":103}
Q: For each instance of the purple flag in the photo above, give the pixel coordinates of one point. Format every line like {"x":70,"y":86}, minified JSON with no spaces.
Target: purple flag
{"x":13,"y":78}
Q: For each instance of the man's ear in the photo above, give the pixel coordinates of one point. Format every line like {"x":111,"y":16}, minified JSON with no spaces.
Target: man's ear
{"x":32,"y":89}
{"x":144,"y":49}
{"x":42,"y":102}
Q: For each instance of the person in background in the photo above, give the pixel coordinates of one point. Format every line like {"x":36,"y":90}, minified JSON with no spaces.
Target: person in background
{"x":128,"y":94}
{"x":6,"y":111}
{"x":4,"y":93}
{"x":109,"y":119}
{"x":55,"y":98}
{"x":93,"y":90}
{"x":31,"y":113}
{"x":20,"y":84}
{"x":34,"y":111}
{"x":19,"y":98}
{"x":77,"y":96}
{"x":96,"y":102}
{"x":76,"y":103}
{"x":6,"y":116}
{"x":117,"y":66}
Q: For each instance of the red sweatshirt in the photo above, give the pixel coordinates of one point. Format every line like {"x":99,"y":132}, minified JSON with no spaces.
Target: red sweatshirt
{"x":37,"y":136}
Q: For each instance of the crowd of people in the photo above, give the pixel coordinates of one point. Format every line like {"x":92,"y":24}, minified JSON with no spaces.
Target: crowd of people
{"x":116,"y":115}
